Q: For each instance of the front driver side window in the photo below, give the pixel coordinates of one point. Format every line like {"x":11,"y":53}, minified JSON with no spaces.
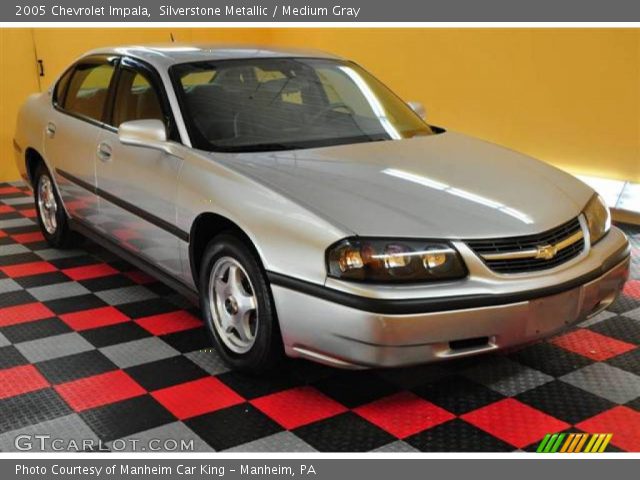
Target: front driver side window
{"x":136,"y":99}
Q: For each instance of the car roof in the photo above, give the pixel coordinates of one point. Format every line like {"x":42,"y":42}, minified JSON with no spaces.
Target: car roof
{"x":165,"y":55}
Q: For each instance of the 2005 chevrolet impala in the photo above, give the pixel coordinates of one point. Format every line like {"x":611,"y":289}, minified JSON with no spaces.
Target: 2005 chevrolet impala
{"x":310,"y":209}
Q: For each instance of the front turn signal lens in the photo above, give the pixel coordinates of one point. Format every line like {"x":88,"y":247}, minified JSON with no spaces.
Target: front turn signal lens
{"x":598,"y":218}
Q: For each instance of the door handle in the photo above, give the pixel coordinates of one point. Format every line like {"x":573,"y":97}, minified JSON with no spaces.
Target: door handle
{"x":104,"y":151}
{"x":50,"y":129}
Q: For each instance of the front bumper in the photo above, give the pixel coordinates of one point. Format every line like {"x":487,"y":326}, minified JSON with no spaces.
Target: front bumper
{"x":346,"y":335}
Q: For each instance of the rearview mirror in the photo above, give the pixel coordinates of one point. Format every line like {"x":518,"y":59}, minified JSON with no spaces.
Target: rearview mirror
{"x":418,"y":108}
{"x":144,"y":133}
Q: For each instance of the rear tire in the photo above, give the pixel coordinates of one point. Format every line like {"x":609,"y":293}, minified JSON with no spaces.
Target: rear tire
{"x":237,"y":306}
{"x":52,"y":218}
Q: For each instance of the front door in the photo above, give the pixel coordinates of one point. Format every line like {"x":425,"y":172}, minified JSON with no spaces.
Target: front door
{"x":137,"y":185}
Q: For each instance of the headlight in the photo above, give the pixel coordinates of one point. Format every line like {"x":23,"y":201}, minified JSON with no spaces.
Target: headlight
{"x":598,"y":218}
{"x":392,"y":261}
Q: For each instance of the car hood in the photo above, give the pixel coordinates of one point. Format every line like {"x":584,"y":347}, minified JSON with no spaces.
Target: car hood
{"x":441,"y":186}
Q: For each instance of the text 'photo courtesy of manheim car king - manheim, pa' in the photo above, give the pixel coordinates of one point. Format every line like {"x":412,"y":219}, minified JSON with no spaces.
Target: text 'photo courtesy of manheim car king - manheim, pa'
{"x":310,"y":210}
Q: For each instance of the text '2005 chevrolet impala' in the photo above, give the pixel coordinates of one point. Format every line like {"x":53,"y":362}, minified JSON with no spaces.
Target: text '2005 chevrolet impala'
{"x":312,"y":211}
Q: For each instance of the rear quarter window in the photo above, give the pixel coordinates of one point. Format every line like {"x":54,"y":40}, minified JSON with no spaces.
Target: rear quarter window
{"x":61,"y":88}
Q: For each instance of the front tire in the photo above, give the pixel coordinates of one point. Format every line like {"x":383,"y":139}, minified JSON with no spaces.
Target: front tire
{"x":236,"y":304}
{"x":52,"y":218}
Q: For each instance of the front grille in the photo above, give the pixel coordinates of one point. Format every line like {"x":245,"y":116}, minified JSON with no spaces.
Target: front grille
{"x":526,"y":243}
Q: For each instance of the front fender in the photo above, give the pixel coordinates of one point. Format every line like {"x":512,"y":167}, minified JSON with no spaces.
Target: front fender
{"x":288,"y":238}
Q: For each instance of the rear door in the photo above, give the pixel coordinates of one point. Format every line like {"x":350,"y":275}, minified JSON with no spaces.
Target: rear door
{"x":138,"y":185}
{"x":72,"y":130}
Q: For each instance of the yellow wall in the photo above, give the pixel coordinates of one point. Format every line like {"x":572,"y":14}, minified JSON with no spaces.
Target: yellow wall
{"x":567,"y":96}
{"x":17,"y":80}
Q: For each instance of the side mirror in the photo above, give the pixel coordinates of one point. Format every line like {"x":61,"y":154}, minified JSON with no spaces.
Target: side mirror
{"x":144,"y":133}
{"x":418,"y":108}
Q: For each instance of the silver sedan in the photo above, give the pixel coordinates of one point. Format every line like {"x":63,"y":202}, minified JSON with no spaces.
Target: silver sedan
{"x":310,"y":210}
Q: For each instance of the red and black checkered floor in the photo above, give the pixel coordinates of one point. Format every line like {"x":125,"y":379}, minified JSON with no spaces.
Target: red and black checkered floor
{"x":92,"y":349}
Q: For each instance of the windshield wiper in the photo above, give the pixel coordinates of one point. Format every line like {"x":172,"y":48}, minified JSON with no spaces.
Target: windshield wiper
{"x":301,"y":145}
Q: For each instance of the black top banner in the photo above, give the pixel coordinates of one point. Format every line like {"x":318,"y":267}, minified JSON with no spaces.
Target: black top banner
{"x":320,"y":11}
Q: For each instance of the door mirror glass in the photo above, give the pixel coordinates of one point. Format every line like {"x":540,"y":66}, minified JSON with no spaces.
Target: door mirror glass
{"x":418,"y":108}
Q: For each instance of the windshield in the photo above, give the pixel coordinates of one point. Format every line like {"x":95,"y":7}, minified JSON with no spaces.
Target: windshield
{"x":286,"y":103}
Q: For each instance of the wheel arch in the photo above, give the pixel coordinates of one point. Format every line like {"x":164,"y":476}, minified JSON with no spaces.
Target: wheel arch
{"x":206,"y":226}
{"x":31,"y":160}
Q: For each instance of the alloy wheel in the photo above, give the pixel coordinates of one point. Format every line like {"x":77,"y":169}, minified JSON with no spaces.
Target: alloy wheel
{"x":233,"y":304}
{"x":47,"y":204}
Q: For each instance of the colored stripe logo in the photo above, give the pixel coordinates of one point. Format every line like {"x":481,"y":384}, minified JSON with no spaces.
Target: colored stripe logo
{"x":574,"y":443}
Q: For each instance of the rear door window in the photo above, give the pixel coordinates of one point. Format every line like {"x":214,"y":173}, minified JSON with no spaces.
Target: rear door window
{"x":88,"y":89}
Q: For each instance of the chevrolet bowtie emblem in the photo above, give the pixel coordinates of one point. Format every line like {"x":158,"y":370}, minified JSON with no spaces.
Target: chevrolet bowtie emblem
{"x":546,"y":252}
